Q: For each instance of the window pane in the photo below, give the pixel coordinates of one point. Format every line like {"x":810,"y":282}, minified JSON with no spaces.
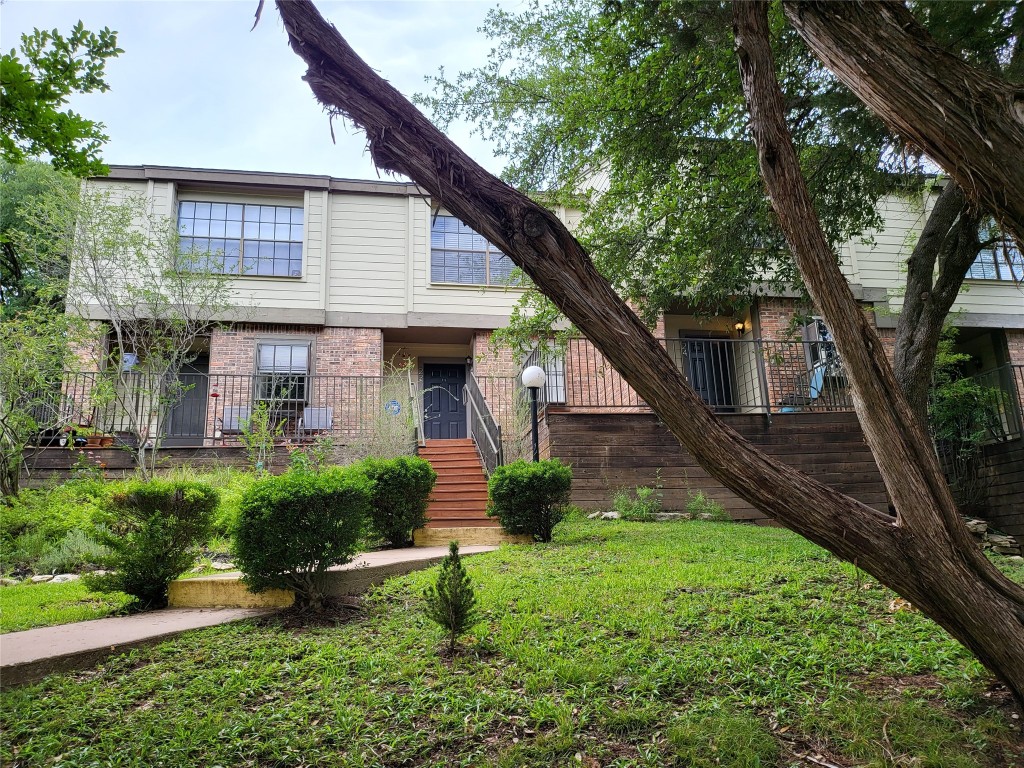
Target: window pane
{"x":267,"y":214}
{"x":282,"y":231}
{"x":295,"y":268}
{"x":218,"y":211}
{"x":458,"y":254}
{"x":217,"y":228}
{"x":283,"y":215}
{"x":281,"y":267}
{"x":251,"y":229}
{"x":233,"y":229}
{"x":266,"y":231}
{"x":202,"y":210}
{"x":297,"y":216}
{"x":296,"y":232}
{"x":234,"y":212}
{"x":202,"y":227}
{"x":187,"y":210}
{"x":185,"y":226}
{"x":252,"y":213}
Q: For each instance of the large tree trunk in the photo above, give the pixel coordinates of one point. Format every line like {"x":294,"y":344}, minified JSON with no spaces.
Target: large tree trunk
{"x":949,"y":239}
{"x":935,"y":565}
{"x":967,"y":121}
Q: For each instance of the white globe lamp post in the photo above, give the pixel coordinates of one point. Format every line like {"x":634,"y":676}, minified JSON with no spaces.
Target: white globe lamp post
{"x":533,"y":379}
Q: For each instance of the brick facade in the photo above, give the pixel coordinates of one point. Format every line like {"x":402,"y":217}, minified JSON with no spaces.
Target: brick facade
{"x":338,"y":355}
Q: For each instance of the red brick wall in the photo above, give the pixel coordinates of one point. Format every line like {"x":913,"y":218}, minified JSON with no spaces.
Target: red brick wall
{"x":349,"y":352}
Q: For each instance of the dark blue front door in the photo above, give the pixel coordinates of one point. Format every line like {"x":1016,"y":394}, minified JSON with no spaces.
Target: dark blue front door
{"x":444,"y":413}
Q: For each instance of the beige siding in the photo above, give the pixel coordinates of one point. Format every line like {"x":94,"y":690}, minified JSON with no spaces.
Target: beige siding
{"x":368,"y":240}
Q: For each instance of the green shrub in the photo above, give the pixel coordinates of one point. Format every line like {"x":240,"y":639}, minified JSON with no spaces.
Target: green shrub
{"x":401,"y":492}
{"x":530,"y":497}
{"x":706,"y":508}
{"x":153,"y":530}
{"x":293,"y":527}
{"x":452,"y":602}
{"x":640,"y":505}
{"x":75,"y":551}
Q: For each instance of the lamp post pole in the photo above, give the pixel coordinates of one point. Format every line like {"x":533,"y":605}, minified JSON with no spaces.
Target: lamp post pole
{"x":533,"y":379}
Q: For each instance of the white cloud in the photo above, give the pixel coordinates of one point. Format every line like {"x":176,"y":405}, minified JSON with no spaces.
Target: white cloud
{"x":195,"y":87}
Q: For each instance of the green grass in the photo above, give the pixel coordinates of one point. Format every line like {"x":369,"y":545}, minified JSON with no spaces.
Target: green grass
{"x":25,"y":606}
{"x":620,"y":644}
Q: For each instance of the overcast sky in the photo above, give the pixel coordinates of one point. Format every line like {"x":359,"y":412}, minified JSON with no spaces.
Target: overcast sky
{"x":194,"y":87}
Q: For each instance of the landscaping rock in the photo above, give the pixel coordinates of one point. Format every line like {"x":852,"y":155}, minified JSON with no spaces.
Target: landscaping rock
{"x":595,"y":515}
{"x":43,"y":577}
{"x":60,"y":578}
{"x":8,"y":582}
{"x":668,"y":517}
{"x":1015,"y":559}
{"x":224,"y":566}
{"x":613,"y":515}
{"x":976,"y":526}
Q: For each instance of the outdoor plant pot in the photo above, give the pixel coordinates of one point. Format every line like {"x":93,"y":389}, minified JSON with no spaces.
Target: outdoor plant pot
{"x":106,"y":441}
{"x":93,"y":441}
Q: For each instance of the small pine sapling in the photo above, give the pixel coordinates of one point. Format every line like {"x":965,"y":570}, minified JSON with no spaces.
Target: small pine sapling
{"x":452,"y":603}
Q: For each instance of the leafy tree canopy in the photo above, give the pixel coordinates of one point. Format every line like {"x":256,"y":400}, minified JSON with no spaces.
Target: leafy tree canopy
{"x":35,"y":87}
{"x":639,"y":106}
{"x":22,"y":187}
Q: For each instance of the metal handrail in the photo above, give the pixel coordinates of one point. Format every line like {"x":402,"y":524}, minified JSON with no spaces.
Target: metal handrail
{"x":483,"y":427}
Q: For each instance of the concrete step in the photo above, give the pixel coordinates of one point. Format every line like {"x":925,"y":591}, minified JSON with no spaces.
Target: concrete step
{"x":466,"y":536}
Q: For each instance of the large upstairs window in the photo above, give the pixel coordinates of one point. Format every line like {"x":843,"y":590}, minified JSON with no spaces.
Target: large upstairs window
{"x":1001,"y":261}
{"x":460,"y":255}
{"x":242,"y":238}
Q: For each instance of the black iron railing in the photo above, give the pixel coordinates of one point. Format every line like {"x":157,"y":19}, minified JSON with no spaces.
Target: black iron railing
{"x":195,"y":408}
{"x":730,"y":375}
{"x":483,"y":427}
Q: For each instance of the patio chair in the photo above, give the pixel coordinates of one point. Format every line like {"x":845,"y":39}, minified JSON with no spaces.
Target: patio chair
{"x":234,"y":418}
{"x":314,"y":420}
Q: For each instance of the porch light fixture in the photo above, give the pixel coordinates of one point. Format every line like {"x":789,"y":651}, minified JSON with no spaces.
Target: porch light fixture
{"x":740,"y":326}
{"x":469,"y":361}
{"x":533,"y":379}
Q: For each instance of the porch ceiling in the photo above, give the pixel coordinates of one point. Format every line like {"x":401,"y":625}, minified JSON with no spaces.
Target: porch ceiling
{"x":428,"y":335}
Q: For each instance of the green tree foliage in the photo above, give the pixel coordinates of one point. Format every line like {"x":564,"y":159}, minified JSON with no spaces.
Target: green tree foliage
{"x":452,"y":602}
{"x":22,"y":187}
{"x":34,"y":350}
{"x":401,"y":492}
{"x":529,"y":497}
{"x":35,"y":87}
{"x":292,"y":528}
{"x":153,"y":530}
{"x":633,"y":112}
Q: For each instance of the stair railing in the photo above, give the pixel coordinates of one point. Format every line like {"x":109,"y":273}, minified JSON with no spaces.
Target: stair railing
{"x":483,"y":427}
{"x":416,"y":404}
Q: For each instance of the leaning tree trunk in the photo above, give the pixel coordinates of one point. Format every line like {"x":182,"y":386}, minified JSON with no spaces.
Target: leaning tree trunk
{"x":949,"y":239}
{"x":935,"y":567}
{"x":968,"y":121}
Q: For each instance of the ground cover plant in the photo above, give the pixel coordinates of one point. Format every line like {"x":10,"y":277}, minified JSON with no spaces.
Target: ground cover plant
{"x":25,"y":606}
{"x":619,"y":644}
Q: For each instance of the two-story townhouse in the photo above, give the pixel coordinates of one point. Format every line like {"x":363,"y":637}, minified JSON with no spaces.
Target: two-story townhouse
{"x":338,"y":279}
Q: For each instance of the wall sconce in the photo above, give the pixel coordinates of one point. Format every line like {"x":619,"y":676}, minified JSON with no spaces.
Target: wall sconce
{"x":740,"y":326}
{"x":469,"y":361}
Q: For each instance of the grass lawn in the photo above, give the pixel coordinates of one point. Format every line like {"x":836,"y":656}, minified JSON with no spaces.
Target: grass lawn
{"x":42,"y":605}
{"x":620,"y":644}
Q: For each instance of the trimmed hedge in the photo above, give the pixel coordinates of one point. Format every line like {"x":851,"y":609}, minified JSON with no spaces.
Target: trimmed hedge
{"x":153,"y":530}
{"x":401,"y":493}
{"x":293,"y":527}
{"x":530,"y":497}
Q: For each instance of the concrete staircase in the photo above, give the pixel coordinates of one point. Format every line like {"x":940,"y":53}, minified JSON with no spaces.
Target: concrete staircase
{"x":458,"y":506}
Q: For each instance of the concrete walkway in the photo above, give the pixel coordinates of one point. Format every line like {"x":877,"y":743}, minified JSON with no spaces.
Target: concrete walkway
{"x":30,"y":655}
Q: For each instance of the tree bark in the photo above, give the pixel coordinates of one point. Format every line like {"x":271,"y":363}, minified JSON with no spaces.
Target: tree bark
{"x":936,"y":535}
{"x":949,"y":239}
{"x":943,"y":574}
{"x":966,"y":120}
